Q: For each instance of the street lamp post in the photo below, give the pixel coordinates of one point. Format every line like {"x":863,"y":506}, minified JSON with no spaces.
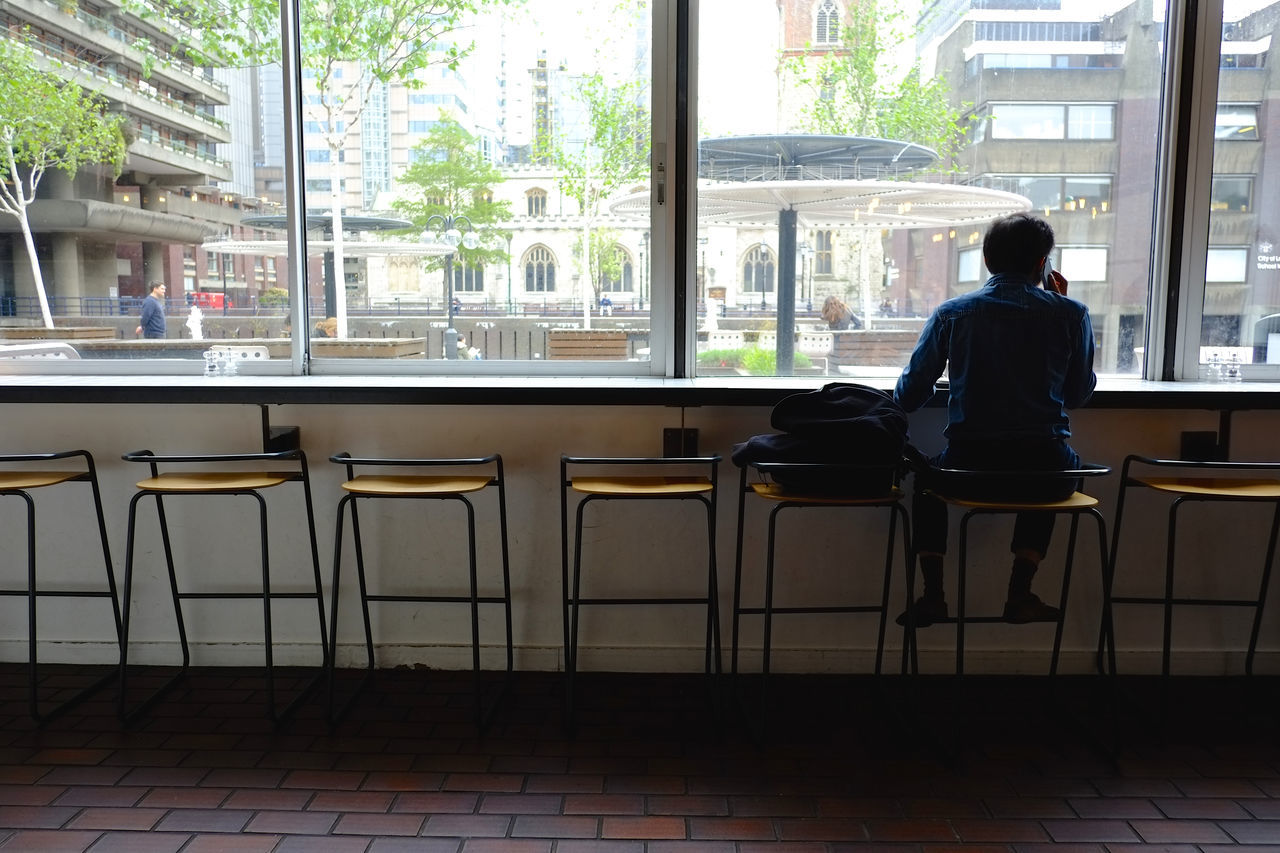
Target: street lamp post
{"x":448,"y":231}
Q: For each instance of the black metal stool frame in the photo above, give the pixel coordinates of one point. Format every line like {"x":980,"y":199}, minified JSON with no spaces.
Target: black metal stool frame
{"x":266,"y":595}
{"x":33,"y":593}
{"x":1009,"y":507}
{"x":474,"y":599}
{"x":571,"y":597}
{"x":1168,"y":600}
{"x":890,"y":501}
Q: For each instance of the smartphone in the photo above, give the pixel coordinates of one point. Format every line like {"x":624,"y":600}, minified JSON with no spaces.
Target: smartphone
{"x":1047,"y":281}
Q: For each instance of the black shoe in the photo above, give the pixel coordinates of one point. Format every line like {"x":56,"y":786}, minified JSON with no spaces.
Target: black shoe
{"x":926,"y":612}
{"x":1022,"y":609}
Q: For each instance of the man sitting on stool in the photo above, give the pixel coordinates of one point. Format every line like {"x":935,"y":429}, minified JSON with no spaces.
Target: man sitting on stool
{"x":1019,"y":356}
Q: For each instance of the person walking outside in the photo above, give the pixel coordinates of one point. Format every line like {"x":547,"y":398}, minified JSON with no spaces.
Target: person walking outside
{"x":152,"y":324}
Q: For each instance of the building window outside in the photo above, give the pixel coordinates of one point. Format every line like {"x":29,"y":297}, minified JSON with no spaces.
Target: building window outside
{"x":823,"y":253}
{"x":1052,"y":121}
{"x":536,"y":202}
{"x":1236,"y":121}
{"x":826,"y":23}
{"x":1083,"y":263}
{"x":1227,"y":265}
{"x":539,"y":271}
{"x":758,"y":270}
{"x":969,"y":269}
{"x":622,"y":281}
{"x":1231,"y":194}
{"x":468,"y":278}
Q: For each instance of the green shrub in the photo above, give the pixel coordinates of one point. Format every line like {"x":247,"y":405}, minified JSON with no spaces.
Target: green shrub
{"x":756,"y":361}
{"x":273,"y":297}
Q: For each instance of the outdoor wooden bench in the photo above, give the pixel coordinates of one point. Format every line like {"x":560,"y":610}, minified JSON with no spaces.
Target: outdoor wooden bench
{"x":587,"y":344}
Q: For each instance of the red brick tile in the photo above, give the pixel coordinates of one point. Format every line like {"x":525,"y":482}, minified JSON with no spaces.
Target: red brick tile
{"x":865,"y":807}
{"x":688,"y":804}
{"x":1114,"y":807}
{"x":1007,"y":831}
{"x":645,"y":785}
{"x":165,"y":776}
{"x":35,"y":817}
{"x":731,"y":828}
{"x":555,"y":826}
{"x":379,"y":824}
{"x":1034,"y":807}
{"x":1253,"y":831}
{"x":467,"y":826}
{"x":204,"y":820}
{"x":436,"y":803}
{"x":185,"y":798}
{"x":408,"y":781}
{"x":604,"y":804}
{"x":293,"y":823}
{"x":944,"y":807}
{"x":36,"y":841}
{"x":1179,"y":832}
{"x":505,"y":845}
{"x":100,"y":795}
{"x":505,"y":782}
{"x":1216,"y":808}
{"x":321,"y":780}
{"x":352,"y":801}
{"x":598,"y":846}
{"x":243,"y":778}
{"x":904,"y":829}
{"x":268,"y":800}
{"x":773,"y":806}
{"x":84,"y":776}
{"x":76,"y":757}
{"x":232,"y":844}
{"x":656,"y":828}
{"x":139,"y":842}
{"x":1234,"y":788}
{"x":571,"y":783}
{"x":1097,"y":830}
{"x":516,"y":804}
{"x":30,"y":795}
{"x":414,"y":845}
{"x":322,"y":844}
{"x":117,"y":818}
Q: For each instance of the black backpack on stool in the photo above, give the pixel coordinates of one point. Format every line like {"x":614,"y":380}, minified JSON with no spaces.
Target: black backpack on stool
{"x":844,"y":426}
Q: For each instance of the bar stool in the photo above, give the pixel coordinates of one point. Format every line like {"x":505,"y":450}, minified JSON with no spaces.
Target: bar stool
{"x":1077,"y":504}
{"x":879,"y":490}
{"x":659,"y":478}
{"x":1195,"y":482}
{"x":464,"y":477}
{"x":239,"y":482}
{"x":19,"y":482}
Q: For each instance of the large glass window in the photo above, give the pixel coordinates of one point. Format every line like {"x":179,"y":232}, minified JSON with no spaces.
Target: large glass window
{"x":529,"y":120}
{"x":902,"y":157}
{"x":1241,"y":304}
{"x":497,"y":177}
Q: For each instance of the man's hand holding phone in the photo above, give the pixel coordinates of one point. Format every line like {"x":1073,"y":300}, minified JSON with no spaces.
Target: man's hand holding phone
{"x":1054,"y":280}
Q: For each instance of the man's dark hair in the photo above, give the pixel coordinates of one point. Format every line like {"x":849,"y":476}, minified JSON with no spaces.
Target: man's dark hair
{"x":1016,"y":243}
{"x":153,"y":285}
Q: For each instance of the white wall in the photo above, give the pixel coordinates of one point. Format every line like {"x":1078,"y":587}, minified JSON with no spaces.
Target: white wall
{"x":648,"y":548}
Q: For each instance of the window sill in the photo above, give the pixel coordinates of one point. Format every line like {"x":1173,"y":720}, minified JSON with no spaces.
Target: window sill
{"x":1112,"y":392}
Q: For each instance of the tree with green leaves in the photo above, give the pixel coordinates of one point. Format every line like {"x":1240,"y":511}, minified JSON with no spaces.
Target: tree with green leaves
{"x":450,"y":177}
{"x":47,"y":123}
{"x":351,"y":50}
{"x":612,"y":154}
{"x":856,"y":88}
{"x":604,"y":256}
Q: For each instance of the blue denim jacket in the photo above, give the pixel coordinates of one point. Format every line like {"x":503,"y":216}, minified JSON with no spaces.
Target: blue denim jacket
{"x":1019,"y":357}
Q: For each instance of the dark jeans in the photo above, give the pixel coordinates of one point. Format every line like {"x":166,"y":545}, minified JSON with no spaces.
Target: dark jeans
{"x":1031,"y":530}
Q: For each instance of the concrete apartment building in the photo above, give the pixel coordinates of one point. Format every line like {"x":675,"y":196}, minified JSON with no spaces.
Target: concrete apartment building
{"x":99,"y":238}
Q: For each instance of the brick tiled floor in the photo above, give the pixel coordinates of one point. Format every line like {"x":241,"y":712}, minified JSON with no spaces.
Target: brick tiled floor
{"x":986,"y":765}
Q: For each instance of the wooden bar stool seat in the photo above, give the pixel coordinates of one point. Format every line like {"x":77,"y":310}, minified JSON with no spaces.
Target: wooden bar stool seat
{"x":1193,"y":482}
{"x":463,"y":477}
{"x":241,"y":481}
{"x":632,"y":479}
